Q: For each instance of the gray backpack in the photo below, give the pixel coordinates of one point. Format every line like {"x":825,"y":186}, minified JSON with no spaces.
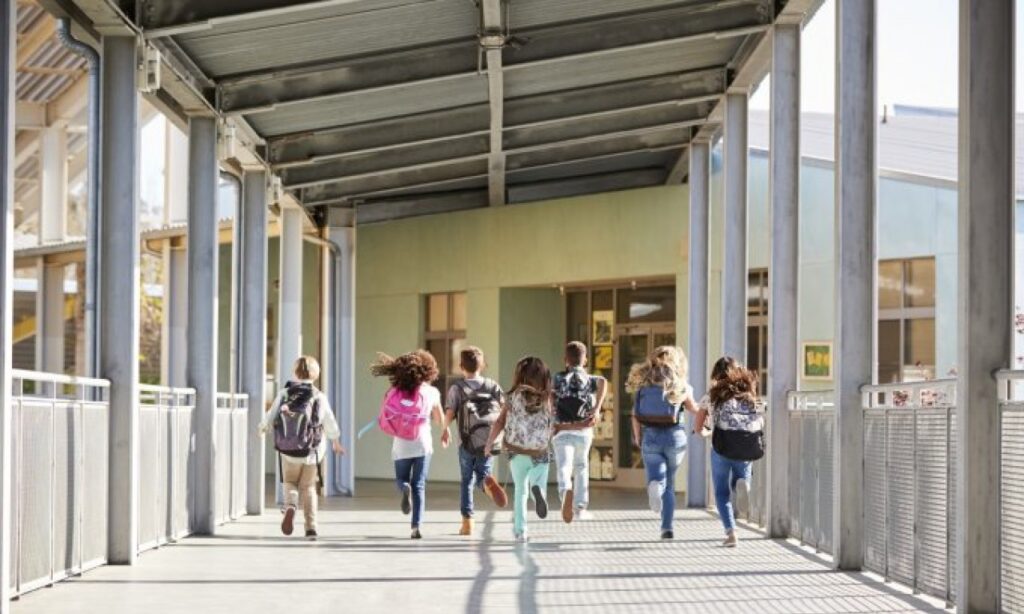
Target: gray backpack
{"x":298,"y":428}
{"x":478,"y":411}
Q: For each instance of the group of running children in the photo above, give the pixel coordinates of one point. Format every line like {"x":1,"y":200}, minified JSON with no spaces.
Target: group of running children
{"x":541,"y":417}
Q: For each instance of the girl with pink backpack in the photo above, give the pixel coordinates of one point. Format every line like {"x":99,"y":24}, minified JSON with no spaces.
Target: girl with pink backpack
{"x":405,"y":415}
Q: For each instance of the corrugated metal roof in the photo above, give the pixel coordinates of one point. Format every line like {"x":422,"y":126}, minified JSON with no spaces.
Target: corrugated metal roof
{"x":320,"y":35}
{"x":921,"y":144}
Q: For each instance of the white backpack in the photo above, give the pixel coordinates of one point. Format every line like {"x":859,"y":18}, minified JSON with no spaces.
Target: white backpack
{"x":528,"y":427}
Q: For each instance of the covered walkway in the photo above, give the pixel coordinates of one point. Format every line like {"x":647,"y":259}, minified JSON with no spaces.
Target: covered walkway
{"x":364,"y":562}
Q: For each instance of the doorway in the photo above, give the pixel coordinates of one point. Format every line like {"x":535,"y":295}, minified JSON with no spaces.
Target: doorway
{"x":633,"y":343}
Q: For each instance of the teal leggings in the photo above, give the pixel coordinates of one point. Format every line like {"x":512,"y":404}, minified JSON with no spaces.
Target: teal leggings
{"x":526,"y":473}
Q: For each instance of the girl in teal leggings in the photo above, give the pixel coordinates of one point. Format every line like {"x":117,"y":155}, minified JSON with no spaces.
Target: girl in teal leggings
{"x":527,"y":422}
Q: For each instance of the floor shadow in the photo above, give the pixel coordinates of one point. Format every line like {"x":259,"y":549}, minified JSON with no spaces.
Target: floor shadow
{"x":478,"y":590}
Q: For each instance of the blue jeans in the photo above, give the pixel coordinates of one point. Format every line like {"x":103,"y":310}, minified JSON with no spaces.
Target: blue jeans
{"x":474,"y":469}
{"x":413,"y":471}
{"x":572,"y":454}
{"x":663,"y":451}
{"x":724,"y":475}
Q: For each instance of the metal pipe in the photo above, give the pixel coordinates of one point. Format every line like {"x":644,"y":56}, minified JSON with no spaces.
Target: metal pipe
{"x":92,"y":252}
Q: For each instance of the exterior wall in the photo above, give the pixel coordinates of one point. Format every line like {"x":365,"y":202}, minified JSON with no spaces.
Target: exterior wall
{"x":915,"y":219}
{"x":522,"y":253}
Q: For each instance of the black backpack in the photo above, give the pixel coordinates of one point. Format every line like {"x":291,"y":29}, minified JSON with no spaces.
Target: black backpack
{"x":574,"y":399}
{"x":478,"y":411}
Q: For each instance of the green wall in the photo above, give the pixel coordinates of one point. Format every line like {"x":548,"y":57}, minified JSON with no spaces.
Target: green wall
{"x":510,"y":261}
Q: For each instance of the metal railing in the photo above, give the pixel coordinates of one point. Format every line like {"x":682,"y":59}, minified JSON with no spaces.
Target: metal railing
{"x":166,"y":464}
{"x":812,"y":420}
{"x":60,"y":462}
{"x":1011,"y":411}
{"x":909,"y":484}
{"x":232,"y":428}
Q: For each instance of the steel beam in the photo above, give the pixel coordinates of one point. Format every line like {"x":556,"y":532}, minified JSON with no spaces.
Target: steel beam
{"x":119,"y":289}
{"x":493,"y":27}
{"x":50,"y":318}
{"x":8,"y":55}
{"x":443,"y":127}
{"x":784,"y":267}
{"x":53,"y":184}
{"x":342,"y":232}
{"x":856,"y":196}
{"x":587,"y":184}
{"x":548,"y":45}
{"x":697,"y":299}
{"x":253,"y":340}
{"x":201,"y":367}
{"x":985,"y":291}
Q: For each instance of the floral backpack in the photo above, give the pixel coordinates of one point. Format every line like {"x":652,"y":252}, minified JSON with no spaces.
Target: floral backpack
{"x":529,"y":424}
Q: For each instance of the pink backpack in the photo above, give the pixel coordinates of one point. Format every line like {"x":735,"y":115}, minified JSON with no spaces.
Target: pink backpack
{"x":403,"y":414}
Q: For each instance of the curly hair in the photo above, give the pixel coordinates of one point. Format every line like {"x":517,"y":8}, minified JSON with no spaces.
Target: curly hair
{"x":665,"y":367}
{"x":408,"y":371}
{"x":731,"y":380}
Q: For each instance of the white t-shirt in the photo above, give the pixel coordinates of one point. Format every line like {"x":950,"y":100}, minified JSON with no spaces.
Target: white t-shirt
{"x":424,"y":446}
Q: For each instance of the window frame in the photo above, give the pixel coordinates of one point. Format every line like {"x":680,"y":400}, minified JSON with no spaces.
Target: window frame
{"x":449,"y":335}
{"x":904,"y":314}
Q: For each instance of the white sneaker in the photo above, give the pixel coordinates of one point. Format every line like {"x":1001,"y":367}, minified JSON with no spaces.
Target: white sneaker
{"x":654,"y":496}
{"x":741,"y":499}
{"x":731,"y":540}
{"x":584,"y":514}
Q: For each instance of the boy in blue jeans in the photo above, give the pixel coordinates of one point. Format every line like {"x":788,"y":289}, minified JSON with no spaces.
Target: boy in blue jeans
{"x":474,"y":403}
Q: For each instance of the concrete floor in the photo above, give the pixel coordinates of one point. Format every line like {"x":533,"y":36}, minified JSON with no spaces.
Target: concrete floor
{"x":364,"y":562}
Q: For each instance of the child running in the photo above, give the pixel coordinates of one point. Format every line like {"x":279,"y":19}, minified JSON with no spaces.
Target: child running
{"x":527,"y":423}
{"x":737,"y":438}
{"x":474,"y":403}
{"x":410,"y":401}
{"x":578,"y":399}
{"x":302,"y":421}
{"x":661,"y":393}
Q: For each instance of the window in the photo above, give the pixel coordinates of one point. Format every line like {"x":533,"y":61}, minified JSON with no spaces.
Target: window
{"x":906,"y":320}
{"x":446,"y":333}
{"x":757,"y":326}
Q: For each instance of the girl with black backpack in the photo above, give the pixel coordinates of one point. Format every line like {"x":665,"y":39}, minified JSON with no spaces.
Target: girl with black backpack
{"x":737,"y":437}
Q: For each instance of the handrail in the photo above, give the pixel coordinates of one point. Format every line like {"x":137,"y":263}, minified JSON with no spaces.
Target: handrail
{"x":880,"y":396}
{"x":58,"y":378}
{"x":166,"y":389}
{"x":1005,"y":380}
{"x":810,"y":400}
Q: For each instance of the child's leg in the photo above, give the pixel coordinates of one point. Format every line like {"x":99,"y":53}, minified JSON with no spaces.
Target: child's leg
{"x":720,"y":479}
{"x":291,"y":474}
{"x":520,"y":466}
{"x":483,"y":466}
{"x":565,"y":460}
{"x":420,"y":467}
{"x":538,"y":476}
{"x":403,"y":471}
{"x":581,"y":471}
{"x":307,"y":488}
{"x":466,"y":462}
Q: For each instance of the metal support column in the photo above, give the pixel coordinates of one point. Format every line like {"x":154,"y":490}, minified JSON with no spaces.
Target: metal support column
{"x":119,"y":288}
{"x":8,"y":59}
{"x":700,"y":169}
{"x":985,"y":288}
{"x":53,"y":199}
{"x":734,"y":274}
{"x":343,"y":234}
{"x":201,"y":369}
{"x":289,"y":331}
{"x":175,"y":322}
{"x":253,"y":341}
{"x":856,"y":191}
{"x":783,"y":272}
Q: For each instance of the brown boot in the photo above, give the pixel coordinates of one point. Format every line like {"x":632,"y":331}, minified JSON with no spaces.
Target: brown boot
{"x":467,"y":527}
{"x":567,"y":510}
{"x":495,"y":491}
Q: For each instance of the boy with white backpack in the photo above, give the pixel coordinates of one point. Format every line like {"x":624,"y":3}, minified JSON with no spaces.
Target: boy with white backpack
{"x":404,"y":414}
{"x":303,"y":421}
{"x":474,"y":403}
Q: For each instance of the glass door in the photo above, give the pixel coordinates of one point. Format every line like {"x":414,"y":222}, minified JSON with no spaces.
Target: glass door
{"x":633,"y":343}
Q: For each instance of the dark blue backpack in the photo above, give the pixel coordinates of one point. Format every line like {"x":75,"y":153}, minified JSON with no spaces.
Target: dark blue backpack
{"x":653,"y":409}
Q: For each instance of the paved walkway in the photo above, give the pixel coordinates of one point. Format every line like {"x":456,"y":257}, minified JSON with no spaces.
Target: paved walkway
{"x":365,"y":562}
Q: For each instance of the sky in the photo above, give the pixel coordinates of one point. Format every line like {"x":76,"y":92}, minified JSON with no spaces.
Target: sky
{"x":917,"y":56}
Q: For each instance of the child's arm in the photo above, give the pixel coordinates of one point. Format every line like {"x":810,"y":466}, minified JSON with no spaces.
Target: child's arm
{"x":702,"y":416}
{"x":496,"y":429}
{"x":331,"y":429}
{"x":446,"y":435}
{"x":436,"y":413}
{"x":271,"y":415}
{"x":636,"y":430}
{"x":690,"y":406}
